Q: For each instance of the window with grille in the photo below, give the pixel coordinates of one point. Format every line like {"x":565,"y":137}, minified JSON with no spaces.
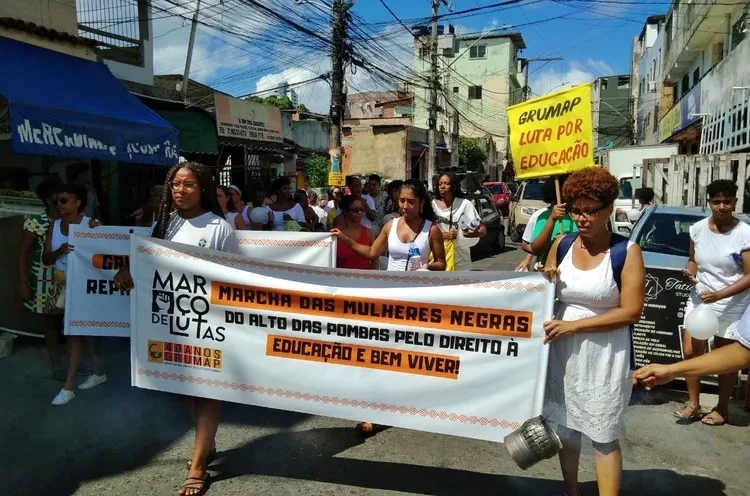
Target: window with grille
{"x":119,"y":27}
{"x":475,"y":92}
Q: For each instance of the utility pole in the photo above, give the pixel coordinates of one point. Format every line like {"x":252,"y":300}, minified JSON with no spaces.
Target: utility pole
{"x":434,"y":83}
{"x":189,"y":58}
{"x":526,"y":88}
{"x":338,"y":98}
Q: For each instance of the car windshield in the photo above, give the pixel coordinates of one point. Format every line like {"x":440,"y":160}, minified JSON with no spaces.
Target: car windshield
{"x":667,"y":233}
{"x":496,"y":189}
{"x":532,"y":191}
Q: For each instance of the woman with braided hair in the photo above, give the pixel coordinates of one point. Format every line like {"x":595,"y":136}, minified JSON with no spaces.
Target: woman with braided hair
{"x":189,"y":213}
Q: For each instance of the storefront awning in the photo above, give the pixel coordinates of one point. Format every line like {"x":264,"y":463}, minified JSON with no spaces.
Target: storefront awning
{"x":70,"y":107}
{"x":197,"y":130}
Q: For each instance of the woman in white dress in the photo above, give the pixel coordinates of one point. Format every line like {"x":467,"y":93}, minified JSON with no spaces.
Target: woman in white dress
{"x":189,"y":213}
{"x":223,"y":196}
{"x":588,"y":376}
{"x":453,"y":211}
{"x":285,"y":208}
{"x":719,"y":267}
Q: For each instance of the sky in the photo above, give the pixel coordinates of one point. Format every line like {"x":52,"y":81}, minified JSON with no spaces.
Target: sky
{"x":594,"y":38}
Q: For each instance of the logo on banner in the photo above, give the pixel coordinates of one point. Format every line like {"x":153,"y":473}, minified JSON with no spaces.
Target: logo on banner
{"x":180,"y":304}
{"x":653,"y":287}
{"x":184,"y":355}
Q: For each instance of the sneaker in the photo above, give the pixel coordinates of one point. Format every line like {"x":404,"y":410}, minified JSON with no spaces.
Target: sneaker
{"x":93,"y":381}
{"x":63,"y":397}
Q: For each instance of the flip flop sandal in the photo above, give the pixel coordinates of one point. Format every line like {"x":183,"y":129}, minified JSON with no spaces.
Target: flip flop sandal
{"x":209,"y":458}
{"x":713,"y":421}
{"x":685,"y":417}
{"x":197,"y":484}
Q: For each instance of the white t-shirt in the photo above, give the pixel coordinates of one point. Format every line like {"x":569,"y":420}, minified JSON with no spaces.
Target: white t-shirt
{"x":322,"y":215}
{"x":528,"y":232}
{"x":295,"y":213}
{"x":205,"y":231}
{"x":463,"y":211}
{"x":371,"y":205}
{"x":719,"y":259}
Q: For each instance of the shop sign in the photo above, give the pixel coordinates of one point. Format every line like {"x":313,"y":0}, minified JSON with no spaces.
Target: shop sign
{"x":247,"y":120}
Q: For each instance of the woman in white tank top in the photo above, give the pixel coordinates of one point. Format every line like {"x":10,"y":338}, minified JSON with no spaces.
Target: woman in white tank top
{"x":71,"y":200}
{"x":223,"y":196}
{"x":410,"y":238}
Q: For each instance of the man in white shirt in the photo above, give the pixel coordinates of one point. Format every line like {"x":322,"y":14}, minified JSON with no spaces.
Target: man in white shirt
{"x":375,"y":201}
{"x":312,"y":199}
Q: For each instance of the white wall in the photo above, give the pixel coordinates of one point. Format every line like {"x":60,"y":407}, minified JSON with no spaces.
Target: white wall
{"x":734,"y":70}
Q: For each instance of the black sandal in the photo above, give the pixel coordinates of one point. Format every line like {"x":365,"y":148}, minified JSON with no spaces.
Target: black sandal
{"x":197,"y":484}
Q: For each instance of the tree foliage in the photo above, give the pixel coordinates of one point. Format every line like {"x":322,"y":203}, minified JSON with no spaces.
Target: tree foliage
{"x":283,"y":102}
{"x":316,"y":171}
{"x":471,"y":155}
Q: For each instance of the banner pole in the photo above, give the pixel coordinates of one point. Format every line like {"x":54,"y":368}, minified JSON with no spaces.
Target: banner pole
{"x":559,"y":200}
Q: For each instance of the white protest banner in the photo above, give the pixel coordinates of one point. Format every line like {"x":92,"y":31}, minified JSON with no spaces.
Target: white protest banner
{"x":93,"y":306}
{"x":304,"y":248}
{"x":458,"y":353}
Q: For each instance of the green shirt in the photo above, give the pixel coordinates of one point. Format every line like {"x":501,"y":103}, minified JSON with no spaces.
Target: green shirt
{"x":562,"y":226}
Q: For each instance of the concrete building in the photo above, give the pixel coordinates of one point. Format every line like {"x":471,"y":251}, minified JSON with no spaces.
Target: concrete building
{"x":705,"y":52}
{"x":480,"y":79}
{"x":366,"y":105}
{"x":649,"y":95}
{"x":612,"y":112}
{"x":390,"y":147}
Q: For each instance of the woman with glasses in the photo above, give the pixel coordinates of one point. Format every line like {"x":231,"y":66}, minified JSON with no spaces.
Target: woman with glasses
{"x":354,"y":209}
{"x":71,"y":201}
{"x":189,"y":213}
{"x":588,"y":374}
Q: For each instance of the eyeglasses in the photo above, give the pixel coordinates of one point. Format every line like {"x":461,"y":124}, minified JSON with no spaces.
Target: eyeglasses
{"x":185,"y":186}
{"x":586,"y":212}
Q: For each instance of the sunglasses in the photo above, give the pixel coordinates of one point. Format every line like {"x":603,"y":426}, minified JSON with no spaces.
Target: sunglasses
{"x":586,"y":212}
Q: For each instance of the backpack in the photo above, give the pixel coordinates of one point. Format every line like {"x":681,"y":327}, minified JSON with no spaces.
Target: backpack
{"x":618,"y":250}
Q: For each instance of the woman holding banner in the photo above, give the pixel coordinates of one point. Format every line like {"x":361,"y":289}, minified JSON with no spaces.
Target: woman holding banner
{"x":189,"y":213}
{"x":410,"y":239}
{"x":71,"y":201}
{"x":454,"y":211}
{"x":353,"y":208}
{"x":600,"y":292}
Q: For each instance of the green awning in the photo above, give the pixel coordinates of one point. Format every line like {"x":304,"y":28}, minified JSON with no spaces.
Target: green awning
{"x":197,"y":129}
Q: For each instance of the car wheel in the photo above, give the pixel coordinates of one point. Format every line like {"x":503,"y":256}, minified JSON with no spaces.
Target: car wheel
{"x":515,"y":234}
{"x":500,"y":241}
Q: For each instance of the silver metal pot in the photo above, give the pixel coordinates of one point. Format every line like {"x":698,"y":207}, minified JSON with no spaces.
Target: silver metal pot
{"x":532,"y":442}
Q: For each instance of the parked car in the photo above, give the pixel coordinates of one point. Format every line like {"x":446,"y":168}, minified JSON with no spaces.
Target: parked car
{"x":500,"y":195}
{"x":526,"y":201}
{"x":663,"y":233}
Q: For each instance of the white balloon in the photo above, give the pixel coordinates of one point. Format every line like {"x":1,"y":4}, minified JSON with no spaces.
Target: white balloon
{"x":259,"y":215}
{"x":702,"y":322}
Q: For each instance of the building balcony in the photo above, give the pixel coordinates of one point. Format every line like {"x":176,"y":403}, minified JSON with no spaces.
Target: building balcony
{"x":689,"y":29}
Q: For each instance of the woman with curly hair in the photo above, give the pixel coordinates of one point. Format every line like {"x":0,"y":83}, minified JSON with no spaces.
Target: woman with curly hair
{"x":189,"y":213}
{"x":599,"y":296}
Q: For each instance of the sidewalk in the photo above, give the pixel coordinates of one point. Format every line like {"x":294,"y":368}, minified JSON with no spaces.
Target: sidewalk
{"x":115,"y":439}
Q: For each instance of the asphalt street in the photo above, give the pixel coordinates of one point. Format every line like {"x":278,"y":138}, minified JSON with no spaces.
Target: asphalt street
{"x":116,"y":439}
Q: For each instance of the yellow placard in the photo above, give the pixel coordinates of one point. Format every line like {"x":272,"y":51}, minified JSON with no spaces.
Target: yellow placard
{"x":552,"y":134}
{"x":335,"y":174}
